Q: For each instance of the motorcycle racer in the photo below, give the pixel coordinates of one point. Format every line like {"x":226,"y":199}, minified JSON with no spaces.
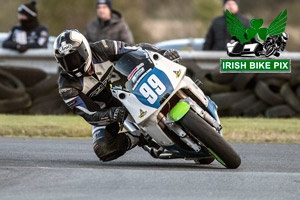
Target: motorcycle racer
{"x":275,"y":43}
{"x":84,"y":85}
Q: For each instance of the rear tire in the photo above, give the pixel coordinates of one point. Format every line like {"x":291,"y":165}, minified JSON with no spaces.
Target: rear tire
{"x":265,"y":93}
{"x":28,"y":76}
{"x":214,"y":142}
{"x":44,"y":86}
{"x":15,"y":104}
{"x":10,"y":86}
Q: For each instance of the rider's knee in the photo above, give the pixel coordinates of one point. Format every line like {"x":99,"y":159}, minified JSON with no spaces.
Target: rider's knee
{"x":102,"y":148}
{"x":107,"y":150}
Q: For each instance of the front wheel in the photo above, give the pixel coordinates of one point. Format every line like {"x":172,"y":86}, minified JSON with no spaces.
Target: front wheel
{"x":214,"y":142}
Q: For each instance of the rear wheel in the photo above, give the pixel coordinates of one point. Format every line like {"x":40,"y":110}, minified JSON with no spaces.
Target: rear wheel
{"x":214,"y":142}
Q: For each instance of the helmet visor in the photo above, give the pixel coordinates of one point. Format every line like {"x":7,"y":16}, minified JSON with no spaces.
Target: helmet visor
{"x":75,"y":60}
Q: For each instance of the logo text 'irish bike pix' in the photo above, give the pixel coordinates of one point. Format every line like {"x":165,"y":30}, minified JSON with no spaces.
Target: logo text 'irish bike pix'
{"x":256,"y":49}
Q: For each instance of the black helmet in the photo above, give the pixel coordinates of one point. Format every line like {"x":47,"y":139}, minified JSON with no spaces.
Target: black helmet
{"x":73,"y":53}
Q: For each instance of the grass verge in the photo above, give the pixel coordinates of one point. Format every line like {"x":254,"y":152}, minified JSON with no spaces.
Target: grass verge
{"x":259,"y":130}
{"x":234,"y":129}
{"x":44,"y":126}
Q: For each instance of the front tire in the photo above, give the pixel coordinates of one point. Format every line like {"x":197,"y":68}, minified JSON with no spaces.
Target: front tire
{"x":214,"y":142}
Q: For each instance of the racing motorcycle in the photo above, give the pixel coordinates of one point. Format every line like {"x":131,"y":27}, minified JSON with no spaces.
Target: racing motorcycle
{"x":175,"y":117}
{"x":274,"y":44}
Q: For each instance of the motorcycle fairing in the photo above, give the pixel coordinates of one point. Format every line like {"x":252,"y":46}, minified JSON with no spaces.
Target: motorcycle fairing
{"x":134,"y":106}
{"x":153,"y":100}
{"x":172,"y":73}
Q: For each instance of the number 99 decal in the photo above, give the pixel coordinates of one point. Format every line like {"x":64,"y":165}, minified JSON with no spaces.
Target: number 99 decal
{"x":156,"y":88}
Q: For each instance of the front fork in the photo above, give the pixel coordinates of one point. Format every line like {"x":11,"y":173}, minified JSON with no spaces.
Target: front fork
{"x":203,"y":114}
{"x":178,"y":111}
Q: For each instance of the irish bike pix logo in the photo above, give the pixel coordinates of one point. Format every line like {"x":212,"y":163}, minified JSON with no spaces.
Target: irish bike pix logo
{"x":256,"y":49}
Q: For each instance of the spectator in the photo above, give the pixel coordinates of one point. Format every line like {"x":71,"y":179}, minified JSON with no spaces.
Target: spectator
{"x":218,"y":35}
{"x":29,"y":33}
{"x":109,"y":24}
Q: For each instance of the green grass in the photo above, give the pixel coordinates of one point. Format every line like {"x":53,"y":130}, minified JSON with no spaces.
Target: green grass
{"x":234,"y":129}
{"x":44,"y":126}
{"x":261,"y":130}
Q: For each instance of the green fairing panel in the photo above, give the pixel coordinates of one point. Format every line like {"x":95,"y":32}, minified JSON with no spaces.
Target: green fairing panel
{"x":179,"y":110}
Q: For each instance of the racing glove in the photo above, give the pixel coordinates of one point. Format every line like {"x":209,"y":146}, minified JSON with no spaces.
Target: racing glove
{"x":173,"y":55}
{"x":119,"y":114}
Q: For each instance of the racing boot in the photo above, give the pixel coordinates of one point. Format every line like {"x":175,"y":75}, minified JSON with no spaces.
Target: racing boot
{"x":134,"y":139}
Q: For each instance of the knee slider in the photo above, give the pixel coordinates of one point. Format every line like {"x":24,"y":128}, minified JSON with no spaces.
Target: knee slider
{"x":102,"y":148}
{"x":106,"y":151}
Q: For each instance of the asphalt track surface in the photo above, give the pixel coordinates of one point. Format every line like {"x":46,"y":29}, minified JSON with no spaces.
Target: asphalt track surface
{"x":68,"y":169}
